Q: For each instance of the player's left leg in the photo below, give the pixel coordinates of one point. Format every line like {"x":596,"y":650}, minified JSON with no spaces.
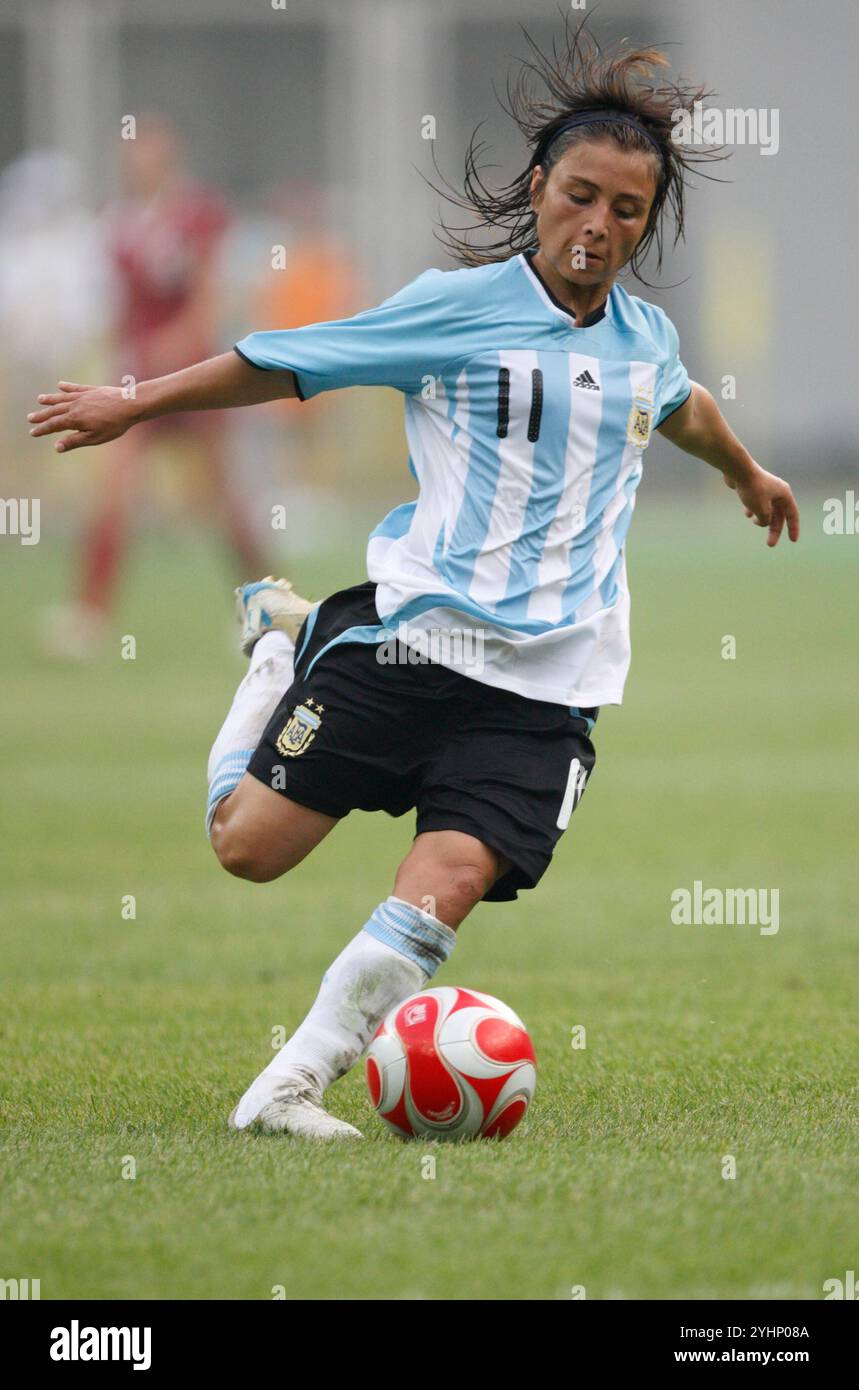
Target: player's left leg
{"x":449,"y":871}
{"x":395,"y":954}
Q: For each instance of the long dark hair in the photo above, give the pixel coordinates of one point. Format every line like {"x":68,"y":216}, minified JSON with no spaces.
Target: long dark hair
{"x":581,"y":77}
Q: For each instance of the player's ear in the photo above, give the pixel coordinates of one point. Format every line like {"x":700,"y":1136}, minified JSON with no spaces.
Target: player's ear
{"x":538,"y":185}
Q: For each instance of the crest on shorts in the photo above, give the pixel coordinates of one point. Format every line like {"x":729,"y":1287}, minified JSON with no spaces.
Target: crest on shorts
{"x":299,"y":730}
{"x":640,"y":421}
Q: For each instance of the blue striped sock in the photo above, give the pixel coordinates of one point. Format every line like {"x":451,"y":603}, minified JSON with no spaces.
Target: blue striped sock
{"x":226,"y":777}
{"x":416,"y":934}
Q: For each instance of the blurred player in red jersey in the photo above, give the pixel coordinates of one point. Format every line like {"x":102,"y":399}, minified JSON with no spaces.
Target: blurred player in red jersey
{"x":162,"y":239}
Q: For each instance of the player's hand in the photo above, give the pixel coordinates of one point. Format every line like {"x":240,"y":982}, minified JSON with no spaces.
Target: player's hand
{"x":769,"y":501}
{"x":92,"y":414}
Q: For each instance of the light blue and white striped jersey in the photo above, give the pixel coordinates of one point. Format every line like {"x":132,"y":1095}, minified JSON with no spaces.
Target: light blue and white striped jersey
{"x":526,"y":436}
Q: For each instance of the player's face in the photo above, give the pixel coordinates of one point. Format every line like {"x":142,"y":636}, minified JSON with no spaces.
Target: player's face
{"x":598,"y":198}
{"x":149,"y":160}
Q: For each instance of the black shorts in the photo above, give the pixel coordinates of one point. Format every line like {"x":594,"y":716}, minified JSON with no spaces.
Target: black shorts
{"x":353,"y":733}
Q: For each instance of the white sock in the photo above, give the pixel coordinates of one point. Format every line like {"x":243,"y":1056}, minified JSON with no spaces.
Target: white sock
{"x":394,"y":955}
{"x":270,"y":674}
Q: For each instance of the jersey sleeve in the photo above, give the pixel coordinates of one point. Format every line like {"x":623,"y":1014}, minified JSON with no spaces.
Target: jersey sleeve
{"x":399,"y":343}
{"x":676,"y":386}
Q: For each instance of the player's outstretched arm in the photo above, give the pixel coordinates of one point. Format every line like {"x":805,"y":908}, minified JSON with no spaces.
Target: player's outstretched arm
{"x":97,"y":414}
{"x":700,"y":429}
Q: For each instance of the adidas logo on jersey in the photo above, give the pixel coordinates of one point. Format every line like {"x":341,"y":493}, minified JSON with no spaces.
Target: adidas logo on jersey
{"x":587,"y":381}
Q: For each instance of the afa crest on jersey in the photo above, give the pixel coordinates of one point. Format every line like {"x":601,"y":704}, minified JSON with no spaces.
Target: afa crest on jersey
{"x":640,"y":421}
{"x":299,"y":731}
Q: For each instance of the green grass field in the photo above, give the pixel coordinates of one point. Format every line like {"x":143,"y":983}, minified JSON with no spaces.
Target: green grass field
{"x":134,"y":1038}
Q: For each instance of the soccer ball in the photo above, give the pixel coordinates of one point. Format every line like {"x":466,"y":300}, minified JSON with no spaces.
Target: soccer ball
{"x":451,"y":1063}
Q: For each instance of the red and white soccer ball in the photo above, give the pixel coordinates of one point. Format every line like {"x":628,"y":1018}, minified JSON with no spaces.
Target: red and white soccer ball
{"x":451,"y":1063}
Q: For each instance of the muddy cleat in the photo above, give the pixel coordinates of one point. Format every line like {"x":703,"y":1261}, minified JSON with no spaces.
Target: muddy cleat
{"x":296,"y":1109}
{"x":266,"y":604}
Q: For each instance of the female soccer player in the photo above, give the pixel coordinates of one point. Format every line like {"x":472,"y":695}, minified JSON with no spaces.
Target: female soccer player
{"x":532,"y":384}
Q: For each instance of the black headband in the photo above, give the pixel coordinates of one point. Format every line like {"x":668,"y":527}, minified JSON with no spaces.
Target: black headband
{"x":591,"y":118}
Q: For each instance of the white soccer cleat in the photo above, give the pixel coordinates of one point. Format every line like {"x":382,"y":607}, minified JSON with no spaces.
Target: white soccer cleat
{"x":295,"y":1109}
{"x":267,"y":604}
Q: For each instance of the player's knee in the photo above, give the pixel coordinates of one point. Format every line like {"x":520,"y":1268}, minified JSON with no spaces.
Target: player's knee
{"x":242,"y":857}
{"x":469,"y":882}
{"x":465,"y":884}
{"x":451,"y":869}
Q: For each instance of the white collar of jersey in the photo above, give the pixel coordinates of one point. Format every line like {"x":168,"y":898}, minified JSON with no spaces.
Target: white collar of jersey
{"x":536,"y":280}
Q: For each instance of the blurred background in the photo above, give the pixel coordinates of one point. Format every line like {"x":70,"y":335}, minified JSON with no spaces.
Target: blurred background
{"x":274,"y":179}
